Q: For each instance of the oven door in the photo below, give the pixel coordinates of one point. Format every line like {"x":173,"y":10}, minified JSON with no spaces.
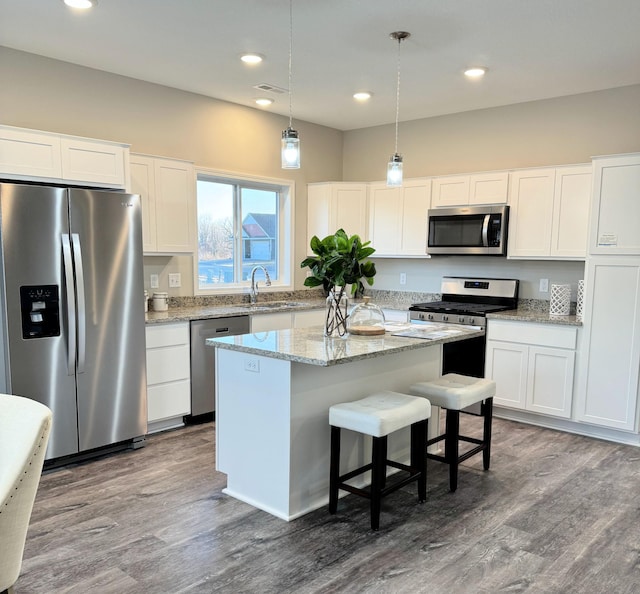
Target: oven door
{"x":468,"y":231}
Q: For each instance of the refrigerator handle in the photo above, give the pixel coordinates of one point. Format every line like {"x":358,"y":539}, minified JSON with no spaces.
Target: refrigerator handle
{"x":71,"y":304}
{"x":82,"y":322}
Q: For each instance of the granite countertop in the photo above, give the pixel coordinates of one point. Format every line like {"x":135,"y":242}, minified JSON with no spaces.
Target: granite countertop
{"x":536,"y":316}
{"x":205,"y":312}
{"x":308,"y":345}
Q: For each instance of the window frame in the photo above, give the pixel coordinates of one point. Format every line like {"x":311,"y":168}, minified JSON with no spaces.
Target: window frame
{"x":286,"y":230}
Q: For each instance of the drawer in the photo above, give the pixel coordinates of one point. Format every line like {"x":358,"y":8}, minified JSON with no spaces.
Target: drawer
{"x":161,"y":335}
{"x":168,"y":364}
{"x":563,"y":337}
{"x":168,"y":400}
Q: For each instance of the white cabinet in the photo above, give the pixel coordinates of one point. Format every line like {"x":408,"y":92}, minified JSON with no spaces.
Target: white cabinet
{"x":42,"y":156}
{"x":470,"y":190}
{"x":608,"y":383}
{"x":167,"y":190}
{"x":398,"y":218}
{"x":168,"y":374}
{"x":615,"y":214}
{"x":331,"y":206}
{"x":549,"y":213}
{"x":272,"y":321}
{"x":312,"y":317}
{"x":532,"y":365}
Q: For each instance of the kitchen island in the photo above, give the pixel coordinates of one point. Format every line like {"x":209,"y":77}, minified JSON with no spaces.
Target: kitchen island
{"x":273,"y":393}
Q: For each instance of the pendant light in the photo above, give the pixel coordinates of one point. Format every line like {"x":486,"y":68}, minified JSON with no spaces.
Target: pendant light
{"x":290,"y":147}
{"x":394,"y":167}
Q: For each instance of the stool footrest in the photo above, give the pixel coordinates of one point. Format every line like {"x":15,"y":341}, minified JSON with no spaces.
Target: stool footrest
{"x":471,"y":452}
{"x":364,"y":492}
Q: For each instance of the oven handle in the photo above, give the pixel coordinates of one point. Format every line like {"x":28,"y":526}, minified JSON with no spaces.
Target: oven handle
{"x":485,"y":231}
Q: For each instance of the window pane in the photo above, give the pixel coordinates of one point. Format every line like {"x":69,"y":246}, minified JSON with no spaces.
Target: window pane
{"x":215,"y":234}
{"x":259,"y":215}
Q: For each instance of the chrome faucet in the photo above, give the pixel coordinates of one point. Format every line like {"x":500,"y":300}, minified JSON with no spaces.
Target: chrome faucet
{"x":254,"y":285}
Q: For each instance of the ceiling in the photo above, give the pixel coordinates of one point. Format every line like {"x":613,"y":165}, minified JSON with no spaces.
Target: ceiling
{"x":534,"y":49}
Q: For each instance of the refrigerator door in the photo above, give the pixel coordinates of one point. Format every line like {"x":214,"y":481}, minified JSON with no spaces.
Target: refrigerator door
{"x":34,"y":221}
{"x":106,"y":236}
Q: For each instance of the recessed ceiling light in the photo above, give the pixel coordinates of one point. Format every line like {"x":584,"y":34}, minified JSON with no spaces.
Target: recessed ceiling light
{"x":264,"y":101}
{"x":251,"y":58}
{"x":362,"y":96}
{"x":475,"y":72}
{"x":81,"y":3}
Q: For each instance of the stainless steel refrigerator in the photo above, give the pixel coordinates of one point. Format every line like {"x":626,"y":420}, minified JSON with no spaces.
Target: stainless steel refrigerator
{"x":72,"y":308}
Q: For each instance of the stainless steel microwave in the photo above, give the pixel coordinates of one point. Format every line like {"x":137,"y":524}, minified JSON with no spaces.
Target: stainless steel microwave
{"x":474,"y":230}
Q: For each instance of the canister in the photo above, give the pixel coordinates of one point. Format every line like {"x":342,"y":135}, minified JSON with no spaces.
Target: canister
{"x":160,"y":301}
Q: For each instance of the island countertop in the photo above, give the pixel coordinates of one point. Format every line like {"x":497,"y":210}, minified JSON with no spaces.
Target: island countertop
{"x":310,"y":346}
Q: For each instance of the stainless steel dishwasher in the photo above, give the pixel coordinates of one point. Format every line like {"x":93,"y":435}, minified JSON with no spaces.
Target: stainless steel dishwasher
{"x":203,"y":395}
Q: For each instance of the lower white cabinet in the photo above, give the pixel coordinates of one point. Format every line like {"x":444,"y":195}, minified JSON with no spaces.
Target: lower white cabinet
{"x":287,"y":319}
{"x":168,"y":374}
{"x":532,"y":365}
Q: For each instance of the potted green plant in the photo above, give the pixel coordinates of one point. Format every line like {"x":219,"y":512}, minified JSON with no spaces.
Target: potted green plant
{"x":339,"y":261}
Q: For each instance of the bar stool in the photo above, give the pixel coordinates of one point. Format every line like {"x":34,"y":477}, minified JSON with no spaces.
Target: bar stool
{"x":454,"y":392}
{"x":379,"y":415}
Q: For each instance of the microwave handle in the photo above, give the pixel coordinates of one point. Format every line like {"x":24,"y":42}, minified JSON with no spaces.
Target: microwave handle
{"x":485,"y":230}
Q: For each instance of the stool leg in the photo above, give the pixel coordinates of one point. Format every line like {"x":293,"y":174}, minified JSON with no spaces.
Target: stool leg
{"x":488,"y":417}
{"x":452,"y":432}
{"x":378,"y":472}
{"x":334,"y":469}
{"x":419,"y":433}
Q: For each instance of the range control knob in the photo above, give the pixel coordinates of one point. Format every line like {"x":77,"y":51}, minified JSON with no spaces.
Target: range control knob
{"x":445,"y":318}
{"x":430,"y":316}
{"x":461,"y":320}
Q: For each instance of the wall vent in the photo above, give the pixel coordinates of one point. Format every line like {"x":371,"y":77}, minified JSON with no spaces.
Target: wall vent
{"x":270,"y":88}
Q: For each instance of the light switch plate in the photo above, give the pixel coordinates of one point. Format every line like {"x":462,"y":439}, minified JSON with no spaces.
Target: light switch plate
{"x":154,"y":281}
{"x":175,"y":279}
{"x":544,"y":285}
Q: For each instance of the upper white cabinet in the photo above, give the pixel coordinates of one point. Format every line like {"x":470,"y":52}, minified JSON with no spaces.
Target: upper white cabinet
{"x":331,"y":206}
{"x":608,"y":384}
{"x":549,"y":213}
{"x":398,"y":218}
{"x":615,"y":214}
{"x":532,"y":365}
{"x":470,"y":190}
{"x":42,"y":156}
{"x":167,"y":191}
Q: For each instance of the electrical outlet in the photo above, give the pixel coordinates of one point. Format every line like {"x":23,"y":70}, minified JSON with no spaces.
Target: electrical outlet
{"x":175,"y":279}
{"x":154,"y":281}
{"x":252,"y":365}
{"x":403,"y":278}
{"x":544,"y":285}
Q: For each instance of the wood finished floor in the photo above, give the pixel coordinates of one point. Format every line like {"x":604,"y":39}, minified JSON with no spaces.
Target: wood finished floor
{"x":556,"y":513}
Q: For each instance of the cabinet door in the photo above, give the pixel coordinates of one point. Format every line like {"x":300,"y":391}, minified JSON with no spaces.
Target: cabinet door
{"x":175,"y":188}
{"x":531,"y":200}
{"x":350,"y":210}
{"x":27,"y":154}
{"x":318,"y":211}
{"x":615,"y":207}
{"x":506,"y":364}
{"x":305,"y":319}
{"x":572,"y":200}
{"x":610,"y":358}
{"x":550,"y":381}
{"x":94,"y":162}
{"x":385,"y":219}
{"x":452,"y":190}
{"x":142,"y":182}
{"x":488,"y":188}
{"x":416,"y":197}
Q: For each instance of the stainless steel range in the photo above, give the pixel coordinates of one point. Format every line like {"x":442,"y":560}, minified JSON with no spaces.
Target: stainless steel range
{"x":467,"y":301}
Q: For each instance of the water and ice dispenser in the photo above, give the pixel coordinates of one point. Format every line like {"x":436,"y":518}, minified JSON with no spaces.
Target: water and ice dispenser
{"x":40,"y":308}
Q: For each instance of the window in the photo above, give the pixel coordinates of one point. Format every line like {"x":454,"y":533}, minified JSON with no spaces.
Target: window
{"x":242,"y":223}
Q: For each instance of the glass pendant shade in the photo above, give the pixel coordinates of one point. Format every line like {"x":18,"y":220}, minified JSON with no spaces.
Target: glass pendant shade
{"x":394,"y":171}
{"x":290,"y":149}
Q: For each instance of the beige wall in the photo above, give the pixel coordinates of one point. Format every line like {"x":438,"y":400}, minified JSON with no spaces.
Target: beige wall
{"x":550,"y":132}
{"x":47,"y":94}
{"x":51,"y":95}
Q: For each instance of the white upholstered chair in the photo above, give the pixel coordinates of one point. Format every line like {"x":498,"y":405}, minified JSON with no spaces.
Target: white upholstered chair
{"x":24,"y":432}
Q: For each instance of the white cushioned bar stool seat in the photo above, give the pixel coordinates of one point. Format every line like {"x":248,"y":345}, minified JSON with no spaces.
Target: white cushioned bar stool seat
{"x":454,"y":392}
{"x":378,"y":415}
